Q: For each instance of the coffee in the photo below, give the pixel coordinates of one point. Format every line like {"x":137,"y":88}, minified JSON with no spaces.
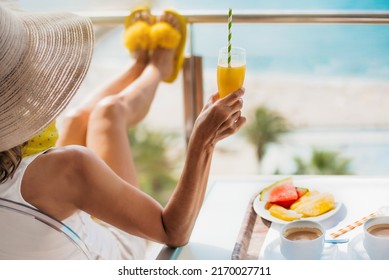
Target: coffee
{"x":302,"y":240}
{"x":305,"y":233}
{"x":379,"y":230}
{"x":376,"y":238}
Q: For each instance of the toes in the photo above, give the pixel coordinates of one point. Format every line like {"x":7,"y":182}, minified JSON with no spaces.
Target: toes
{"x":145,"y":15}
{"x":170,"y":19}
{"x":142,"y":15}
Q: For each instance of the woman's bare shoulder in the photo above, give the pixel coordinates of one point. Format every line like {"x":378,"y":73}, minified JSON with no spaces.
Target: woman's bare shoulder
{"x":65,"y":152}
{"x":53,"y":179}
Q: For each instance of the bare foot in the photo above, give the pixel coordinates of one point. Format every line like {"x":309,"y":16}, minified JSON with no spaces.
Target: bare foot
{"x":142,"y":15}
{"x":141,"y":56}
{"x":162,"y":58}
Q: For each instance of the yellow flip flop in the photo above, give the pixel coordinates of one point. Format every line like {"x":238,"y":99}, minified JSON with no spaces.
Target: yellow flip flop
{"x":137,"y":33}
{"x":164,"y":35}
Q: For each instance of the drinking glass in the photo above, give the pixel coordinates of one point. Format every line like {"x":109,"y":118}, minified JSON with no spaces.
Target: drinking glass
{"x":230,"y":77}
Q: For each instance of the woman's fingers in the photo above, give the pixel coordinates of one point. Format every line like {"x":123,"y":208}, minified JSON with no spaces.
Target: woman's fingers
{"x":231,"y":98}
{"x":237,"y":105}
{"x":230,"y":104}
{"x":220,"y":117}
{"x":230,"y":121}
{"x":234,"y":120}
{"x":226,"y":131}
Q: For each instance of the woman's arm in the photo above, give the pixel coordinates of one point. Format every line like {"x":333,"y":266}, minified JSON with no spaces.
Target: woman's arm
{"x":71,"y":178}
{"x":219,"y":119}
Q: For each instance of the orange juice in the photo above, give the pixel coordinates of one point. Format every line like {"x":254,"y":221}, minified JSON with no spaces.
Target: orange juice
{"x":230,"y":79}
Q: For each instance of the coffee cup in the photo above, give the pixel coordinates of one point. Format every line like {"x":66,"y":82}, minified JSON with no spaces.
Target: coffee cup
{"x":302,"y":240}
{"x":376,"y":238}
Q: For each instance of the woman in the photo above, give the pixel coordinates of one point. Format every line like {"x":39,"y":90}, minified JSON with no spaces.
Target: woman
{"x":44,"y":58}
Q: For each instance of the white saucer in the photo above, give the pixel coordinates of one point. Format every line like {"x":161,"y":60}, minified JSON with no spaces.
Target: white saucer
{"x":356,"y":250}
{"x":272,"y":251}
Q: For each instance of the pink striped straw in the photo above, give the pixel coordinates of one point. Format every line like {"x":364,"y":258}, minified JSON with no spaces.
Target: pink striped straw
{"x":352,"y":226}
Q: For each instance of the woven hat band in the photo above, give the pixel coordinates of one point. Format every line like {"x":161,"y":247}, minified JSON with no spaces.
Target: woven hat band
{"x":13,"y":42}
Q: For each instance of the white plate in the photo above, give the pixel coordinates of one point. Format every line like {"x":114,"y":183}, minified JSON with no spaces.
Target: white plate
{"x":356,"y":250}
{"x":259,"y":208}
{"x":273,"y":251}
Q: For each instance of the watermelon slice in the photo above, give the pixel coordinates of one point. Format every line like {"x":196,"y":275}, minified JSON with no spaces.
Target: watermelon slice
{"x":288,"y":203}
{"x":285,"y":204}
{"x":265,"y":193}
{"x":282,"y":193}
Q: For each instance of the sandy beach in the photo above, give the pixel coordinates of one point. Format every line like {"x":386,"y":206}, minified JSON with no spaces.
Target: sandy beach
{"x":338,"y":108}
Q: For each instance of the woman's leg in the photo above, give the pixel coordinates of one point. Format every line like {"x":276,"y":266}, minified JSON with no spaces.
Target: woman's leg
{"x":109,"y":121}
{"x":74,"y":125}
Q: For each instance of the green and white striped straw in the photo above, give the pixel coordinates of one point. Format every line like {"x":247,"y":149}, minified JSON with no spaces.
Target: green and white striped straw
{"x":229,"y":36}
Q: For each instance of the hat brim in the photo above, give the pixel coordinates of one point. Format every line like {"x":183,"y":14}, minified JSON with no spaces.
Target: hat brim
{"x":58,"y":56}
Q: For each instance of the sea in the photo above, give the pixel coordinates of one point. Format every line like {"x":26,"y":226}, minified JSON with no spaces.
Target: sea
{"x":330,"y":80}
{"x":324,"y":49}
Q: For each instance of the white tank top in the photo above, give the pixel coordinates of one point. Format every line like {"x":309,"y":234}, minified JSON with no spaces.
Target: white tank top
{"x":103,"y":241}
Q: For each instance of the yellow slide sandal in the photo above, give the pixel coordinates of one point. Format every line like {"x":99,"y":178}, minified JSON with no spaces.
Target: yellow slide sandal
{"x":137,"y":29}
{"x":166,"y":36}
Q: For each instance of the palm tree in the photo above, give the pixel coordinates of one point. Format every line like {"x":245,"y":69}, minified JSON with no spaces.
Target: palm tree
{"x":155,"y":168}
{"x":324,"y":163}
{"x":264,"y":127}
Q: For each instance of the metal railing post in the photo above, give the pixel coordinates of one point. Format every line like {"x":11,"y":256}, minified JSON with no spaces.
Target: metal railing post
{"x":193,"y":87}
{"x":193,"y":91}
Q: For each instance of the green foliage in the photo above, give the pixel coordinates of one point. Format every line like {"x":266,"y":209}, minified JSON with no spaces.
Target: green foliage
{"x":155,"y":167}
{"x":264,"y":126}
{"x":323,"y":163}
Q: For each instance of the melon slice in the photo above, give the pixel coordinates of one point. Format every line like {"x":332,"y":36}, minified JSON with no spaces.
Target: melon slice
{"x":284,"y":214}
{"x":303,"y":199}
{"x":282,"y":193}
{"x":316,"y":205}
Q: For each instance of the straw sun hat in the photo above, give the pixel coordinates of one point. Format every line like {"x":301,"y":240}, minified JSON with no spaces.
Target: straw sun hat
{"x":43,"y":60}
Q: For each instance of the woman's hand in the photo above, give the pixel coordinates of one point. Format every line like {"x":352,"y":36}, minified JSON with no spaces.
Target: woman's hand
{"x":219,"y":118}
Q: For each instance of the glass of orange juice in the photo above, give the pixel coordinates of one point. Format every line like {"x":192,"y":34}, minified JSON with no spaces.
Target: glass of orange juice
{"x":230,"y":77}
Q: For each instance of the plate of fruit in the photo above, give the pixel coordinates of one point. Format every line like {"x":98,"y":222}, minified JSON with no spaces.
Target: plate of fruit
{"x":283,"y":202}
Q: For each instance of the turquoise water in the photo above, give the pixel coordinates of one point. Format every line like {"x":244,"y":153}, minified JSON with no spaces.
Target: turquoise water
{"x":320,"y":49}
{"x":358,"y":50}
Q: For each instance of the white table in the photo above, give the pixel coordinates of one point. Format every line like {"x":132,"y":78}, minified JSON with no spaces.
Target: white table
{"x":219,"y":222}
